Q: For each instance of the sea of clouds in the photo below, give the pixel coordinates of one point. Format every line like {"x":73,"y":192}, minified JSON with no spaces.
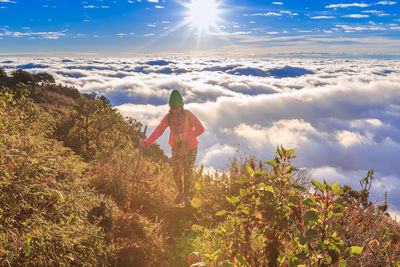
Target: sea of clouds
{"x":342,"y":116}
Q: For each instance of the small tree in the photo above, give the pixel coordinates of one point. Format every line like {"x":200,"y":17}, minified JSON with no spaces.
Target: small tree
{"x":21,"y":76}
{"x":44,"y":79}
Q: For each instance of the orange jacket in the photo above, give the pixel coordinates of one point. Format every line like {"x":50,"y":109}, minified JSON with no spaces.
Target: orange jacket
{"x":189,"y":135}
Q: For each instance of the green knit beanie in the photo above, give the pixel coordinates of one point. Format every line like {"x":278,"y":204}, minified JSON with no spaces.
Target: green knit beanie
{"x":175,"y":99}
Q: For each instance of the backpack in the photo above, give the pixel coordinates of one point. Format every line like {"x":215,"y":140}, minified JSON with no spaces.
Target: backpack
{"x":189,"y":119}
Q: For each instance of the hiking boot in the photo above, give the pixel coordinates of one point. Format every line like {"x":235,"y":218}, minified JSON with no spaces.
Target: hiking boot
{"x":179,"y":198}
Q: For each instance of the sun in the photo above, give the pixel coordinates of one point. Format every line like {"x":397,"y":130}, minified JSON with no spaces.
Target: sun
{"x":203,"y":15}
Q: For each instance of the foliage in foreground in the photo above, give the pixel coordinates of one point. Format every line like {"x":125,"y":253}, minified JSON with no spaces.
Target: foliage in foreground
{"x":274,"y":221}
{"x":44,"y":194}
{"x":56,"y":164}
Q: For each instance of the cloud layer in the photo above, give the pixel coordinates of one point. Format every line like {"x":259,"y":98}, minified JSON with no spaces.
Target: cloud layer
{"x":342,"y":116}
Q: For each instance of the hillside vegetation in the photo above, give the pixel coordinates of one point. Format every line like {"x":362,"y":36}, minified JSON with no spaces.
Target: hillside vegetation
{"x":72,"y":194}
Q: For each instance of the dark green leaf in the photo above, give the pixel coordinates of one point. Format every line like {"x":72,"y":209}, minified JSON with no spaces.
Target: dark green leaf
{"x":241,"y":259}
{"x":250,"y":170}
{"x":245,"y":211}
{"x":259,"y":174}
{"x":310,"y":216}
{"x":281,"y":153}
{"x":259,"y":240}
{"x":216,"y":254}
{"x":312,"y":234}
{"x":10,"y":256}
{"x":309,"y":202}
{"x":301,"y":255}
{"x":355,"y":250}
{"x":233,"y":200}
{"x":318,"y":185}
{"x":269,"y":188}
{"x":299,"y":187}
{"x":243,"y":179}
{"x":338,"y":205}
{"x":336,"y":189}
{"x":28,"y":238}
{"x":221,"y":212}
{"x":243,"y":192}
{"x":272,"y":163}
{"x":27,"y":249}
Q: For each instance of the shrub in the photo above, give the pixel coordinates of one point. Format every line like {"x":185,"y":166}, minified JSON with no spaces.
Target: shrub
{"x":44,"y":194}
{"x":275,"y":221}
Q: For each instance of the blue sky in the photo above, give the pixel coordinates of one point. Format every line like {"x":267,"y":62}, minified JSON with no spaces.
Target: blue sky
{"x":166,"y":26}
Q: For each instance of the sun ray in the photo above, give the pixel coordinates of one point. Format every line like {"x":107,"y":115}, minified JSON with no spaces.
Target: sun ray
{"x":203,"y":15}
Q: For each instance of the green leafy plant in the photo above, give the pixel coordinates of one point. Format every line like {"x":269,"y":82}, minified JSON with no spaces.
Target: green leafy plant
{"x":275,"y":221}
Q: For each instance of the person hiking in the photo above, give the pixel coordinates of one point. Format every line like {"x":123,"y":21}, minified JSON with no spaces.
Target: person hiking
{"x":185,"y":127}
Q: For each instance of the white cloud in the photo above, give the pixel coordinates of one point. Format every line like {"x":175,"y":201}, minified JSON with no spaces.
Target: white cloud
{"x":356,"y":16}
{"x":229,"y":33}
{"x":323,"y":17}
{"x":360,"y":28}
{"x":362,"y":123}
{"x":386,"y":3}
{"x":277,"y":3}
{"x":273,"y":13}
{"x":348,"y":138}
{"x":153,"y":1}
{"x":218,"y":153}
{"x":145,"y":113}
{"x":7,"y":1}
{"x":348,"y":5}
{"x":290,"y":133}
{"x":159,"y":7}
{"x":289,"y":13}
{"x":266,"y":14}
{"x":376,"y":12}
{"x":40,"y":35}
